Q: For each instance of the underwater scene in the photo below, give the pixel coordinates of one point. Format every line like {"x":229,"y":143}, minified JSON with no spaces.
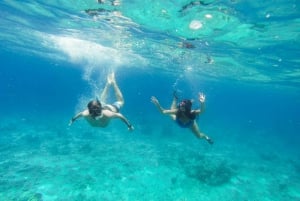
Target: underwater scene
{"x":186,"y":100}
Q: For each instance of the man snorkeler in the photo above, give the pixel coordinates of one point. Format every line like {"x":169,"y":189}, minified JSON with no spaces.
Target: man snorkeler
{"x":99,"y":114}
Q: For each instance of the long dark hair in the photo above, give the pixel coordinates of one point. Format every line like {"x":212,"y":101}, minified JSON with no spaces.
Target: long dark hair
{"x":187,"y":104}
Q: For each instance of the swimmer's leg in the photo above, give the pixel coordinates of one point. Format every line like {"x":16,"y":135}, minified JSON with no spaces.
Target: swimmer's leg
{"x":198,"y":134}
{"x":118,"y":93}
{"x":104,"y":93}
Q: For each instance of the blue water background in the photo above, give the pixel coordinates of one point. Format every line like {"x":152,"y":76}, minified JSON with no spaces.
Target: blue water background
{"x":254,"y":122}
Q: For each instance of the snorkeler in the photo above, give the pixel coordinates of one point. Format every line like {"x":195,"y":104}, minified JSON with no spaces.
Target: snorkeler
{"x":99,"y":114}
{"x":183,"y":114}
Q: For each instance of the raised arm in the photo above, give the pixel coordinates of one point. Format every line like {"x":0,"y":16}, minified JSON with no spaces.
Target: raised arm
{"x":201,"y":99}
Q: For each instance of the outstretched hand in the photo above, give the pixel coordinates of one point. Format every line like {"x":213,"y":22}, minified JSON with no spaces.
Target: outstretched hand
{"x":154,"y":100}
{"x":71,"y":122}
{"x":201,"y":97}
{"x":210,"y":141}
{"x":130,"y":128}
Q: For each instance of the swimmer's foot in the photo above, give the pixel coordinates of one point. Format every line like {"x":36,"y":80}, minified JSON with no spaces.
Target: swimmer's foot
{"x":111,"y":78}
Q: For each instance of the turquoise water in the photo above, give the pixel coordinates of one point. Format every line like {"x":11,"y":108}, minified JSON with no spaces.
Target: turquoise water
{"x":244,"y":55}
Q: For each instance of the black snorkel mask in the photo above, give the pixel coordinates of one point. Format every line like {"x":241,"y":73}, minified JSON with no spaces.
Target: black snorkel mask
{"x":186,"y":104}
{"x":95,"y":108}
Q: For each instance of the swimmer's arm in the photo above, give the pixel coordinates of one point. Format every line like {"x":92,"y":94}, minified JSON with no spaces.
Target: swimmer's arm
{"x":120,"y":116}
{"x":201,"y":109}
{"x":160,"y":108}
{"x":173,"y":111}
{"x":77,"y":116}
{"x":156,"y":103}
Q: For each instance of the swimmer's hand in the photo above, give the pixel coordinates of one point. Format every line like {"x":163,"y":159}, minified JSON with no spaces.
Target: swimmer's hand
{"x":71,"y":121}
{"x":156,"y":103}
{"x":209,"y":140}
{"x":130,"y":128}
{"x":201,"y":97}
{"x":154,"y":100}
